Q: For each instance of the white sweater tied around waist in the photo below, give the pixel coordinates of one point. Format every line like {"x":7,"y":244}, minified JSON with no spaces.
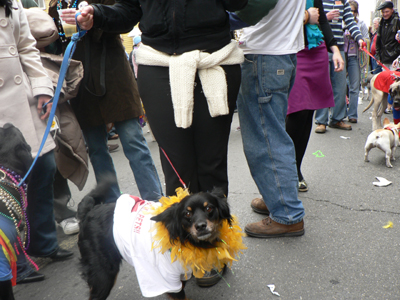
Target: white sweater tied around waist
{"x":182,"y":73}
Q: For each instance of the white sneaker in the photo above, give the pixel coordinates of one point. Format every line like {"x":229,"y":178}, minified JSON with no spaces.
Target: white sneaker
{"x":70,"y":225}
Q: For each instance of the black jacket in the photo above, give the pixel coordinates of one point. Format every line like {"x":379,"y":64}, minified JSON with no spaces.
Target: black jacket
{"x":172,"y":26}
{"x":387,"y":48}
{"x":108,"y":93}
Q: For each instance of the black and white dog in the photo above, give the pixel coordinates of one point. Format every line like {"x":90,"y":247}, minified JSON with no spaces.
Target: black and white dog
{"x":112,"y":232}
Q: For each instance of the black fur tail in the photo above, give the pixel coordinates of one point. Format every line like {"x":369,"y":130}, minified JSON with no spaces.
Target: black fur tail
{"x":100,"y":258}
{"x":84,"y":207}
{"x":96,"y":196}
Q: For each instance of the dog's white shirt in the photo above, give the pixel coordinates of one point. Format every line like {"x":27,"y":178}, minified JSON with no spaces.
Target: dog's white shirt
{"x":133,"y":237}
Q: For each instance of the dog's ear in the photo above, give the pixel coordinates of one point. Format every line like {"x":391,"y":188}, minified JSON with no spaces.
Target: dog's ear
{"x":171,"y":220}
{"x":15,"y":153}
{"x":386,"y":121}
{"x":390,"y":92}
{"x":223,"y":206}
{"x":218,"y":192}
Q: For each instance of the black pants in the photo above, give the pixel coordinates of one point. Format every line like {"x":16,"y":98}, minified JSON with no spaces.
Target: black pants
{"x":198,"y":153}
{"x":298,"y":126}
{"x":62,"y":195}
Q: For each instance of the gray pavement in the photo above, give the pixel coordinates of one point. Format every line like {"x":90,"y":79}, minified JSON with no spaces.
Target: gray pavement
{"x":345,"y":253}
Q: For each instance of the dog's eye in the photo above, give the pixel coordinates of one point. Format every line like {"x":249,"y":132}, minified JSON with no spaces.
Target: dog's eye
{"x":209,"y":209}
{"x":188,"y":214}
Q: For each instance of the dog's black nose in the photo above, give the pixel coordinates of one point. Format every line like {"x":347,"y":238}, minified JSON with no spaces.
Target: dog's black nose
{"x":201,"y":226}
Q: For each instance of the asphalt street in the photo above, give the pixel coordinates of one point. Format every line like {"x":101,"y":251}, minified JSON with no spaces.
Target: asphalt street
{"x":345,"y":252}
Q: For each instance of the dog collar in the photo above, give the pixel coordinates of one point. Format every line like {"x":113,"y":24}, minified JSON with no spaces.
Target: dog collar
{"x":393,"y":129}
{"x":198,"y":260}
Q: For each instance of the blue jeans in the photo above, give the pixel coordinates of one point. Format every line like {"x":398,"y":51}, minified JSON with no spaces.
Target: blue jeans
{"x":375,"y":68}
{"x":262,"y":106}
{"x":353,"y":70}
{"x":43,"y":233}
{"x":136,"y":151}
{"x":23,"y":267}
{"x":338,"y":80}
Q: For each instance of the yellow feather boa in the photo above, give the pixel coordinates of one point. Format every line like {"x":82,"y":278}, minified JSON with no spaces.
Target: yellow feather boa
{"x":199,"y":260}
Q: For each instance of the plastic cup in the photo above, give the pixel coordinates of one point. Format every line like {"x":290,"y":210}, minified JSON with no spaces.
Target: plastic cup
{"x":69,"y":29}
{"x":335,"y":19}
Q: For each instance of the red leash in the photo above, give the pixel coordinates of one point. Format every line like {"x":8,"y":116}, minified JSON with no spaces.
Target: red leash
{"x":364,"y":48}
{"x":176,"y":172}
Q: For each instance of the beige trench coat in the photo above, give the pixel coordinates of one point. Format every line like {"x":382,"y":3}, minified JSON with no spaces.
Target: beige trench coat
{"x":22,"y":78}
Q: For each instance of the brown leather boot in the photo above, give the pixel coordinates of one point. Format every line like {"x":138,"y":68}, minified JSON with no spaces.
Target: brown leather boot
{"x":340,"y":125}
{"x":258,"y":205}
{"x":321,"y":128}
{"x":267,"y":228}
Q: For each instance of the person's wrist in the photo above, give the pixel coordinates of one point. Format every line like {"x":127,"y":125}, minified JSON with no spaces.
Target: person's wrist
{"x":306,"y":17}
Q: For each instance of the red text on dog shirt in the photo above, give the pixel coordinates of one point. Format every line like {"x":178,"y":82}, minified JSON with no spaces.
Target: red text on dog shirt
{"x":138,"y":223}
{"x":139,"y":203}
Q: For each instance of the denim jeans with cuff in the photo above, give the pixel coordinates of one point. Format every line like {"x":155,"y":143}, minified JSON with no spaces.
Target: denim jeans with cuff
{"x":262,"y":106}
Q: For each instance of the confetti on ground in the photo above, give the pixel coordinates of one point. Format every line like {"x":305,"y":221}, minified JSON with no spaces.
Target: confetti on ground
{"x":345,"y":137}
{"x":318,"y":154}
{"x":388,"y":225}
{"x":272,"y":289}
{"x":382,"y":182}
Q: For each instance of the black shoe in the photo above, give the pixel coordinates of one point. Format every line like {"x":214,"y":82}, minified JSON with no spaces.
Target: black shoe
{"x":210,"y":278}
{"x":352,"y":120}
{"x":61,"y":254}
{"x":34,"y":277}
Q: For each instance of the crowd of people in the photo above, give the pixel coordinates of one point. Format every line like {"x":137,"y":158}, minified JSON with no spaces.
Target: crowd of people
{"x":190,"y":76}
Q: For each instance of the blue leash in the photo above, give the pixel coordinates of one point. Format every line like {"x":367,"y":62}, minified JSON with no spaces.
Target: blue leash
{"x":63,"y":71}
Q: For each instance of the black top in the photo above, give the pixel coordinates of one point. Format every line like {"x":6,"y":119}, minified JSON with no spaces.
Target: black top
{"x":172,"y":26}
